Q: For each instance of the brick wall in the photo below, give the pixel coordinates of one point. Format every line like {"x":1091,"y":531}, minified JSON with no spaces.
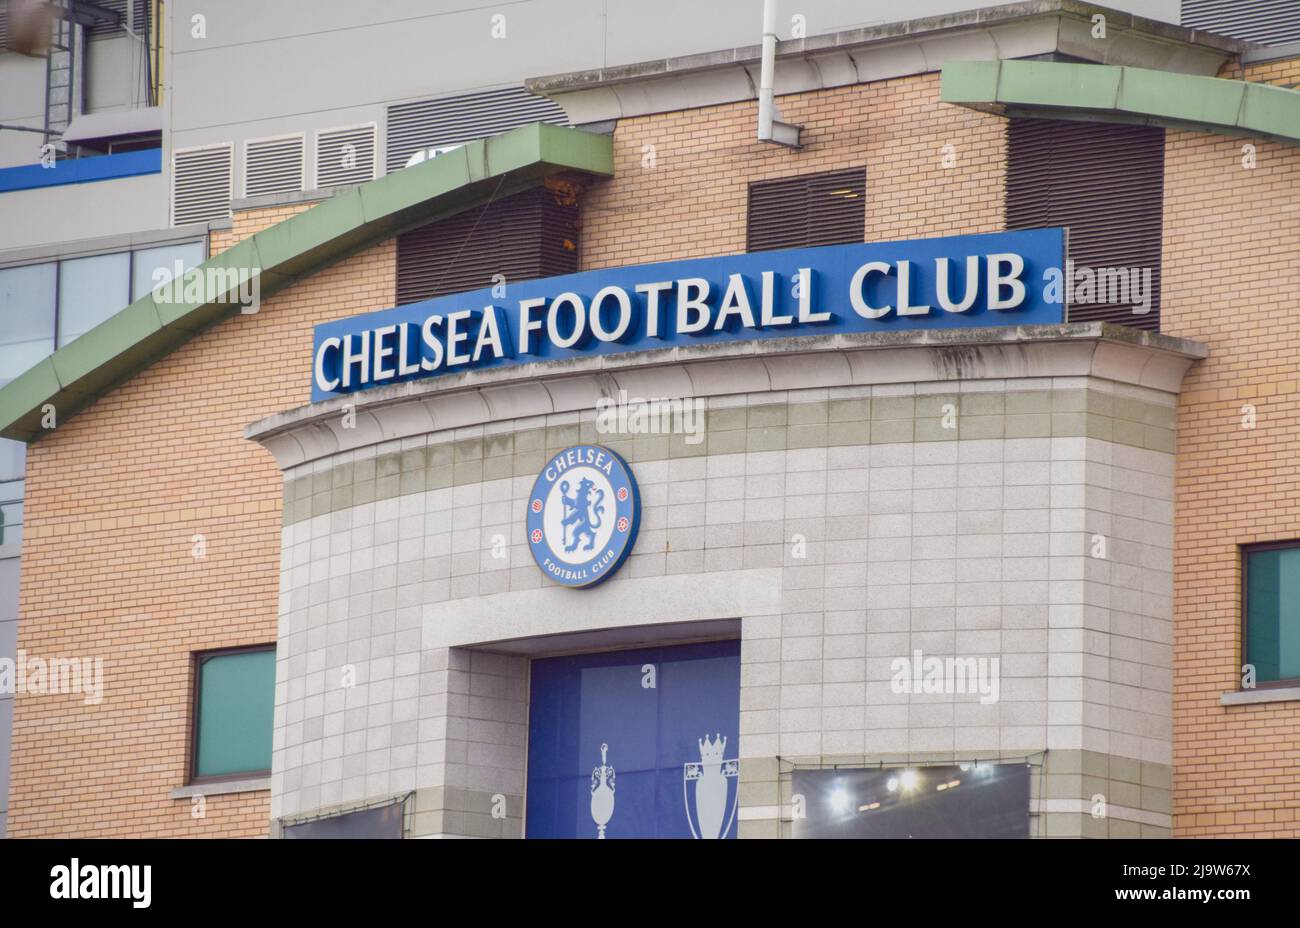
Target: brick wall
{"x":681,"y":180}
{"x":1230,"y":278}
{"x":114,"y":498}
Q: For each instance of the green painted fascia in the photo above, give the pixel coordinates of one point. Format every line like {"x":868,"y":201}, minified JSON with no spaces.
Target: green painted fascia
{"x":967,"y":83}
{"x":193,"y":316}
{"x":78,"y":360}
{"x":154,"y":325}
{"x":1181,"y":98}
{"x":1064,"y":90}
{"x":1044,"y":83}
{"x":1272,"y":111}
{"x":312,"y":237}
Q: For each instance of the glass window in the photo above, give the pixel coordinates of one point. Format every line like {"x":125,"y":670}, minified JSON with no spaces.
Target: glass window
{"x":13,"y":460}
{"x":234,"y":713}
{"x":154,"y":266}
{"x":11,"y":513}
{"x":26,"y":317}
{"x":1272,"y":607}
{"x":91,"y":290}
{"x":13,"y":457}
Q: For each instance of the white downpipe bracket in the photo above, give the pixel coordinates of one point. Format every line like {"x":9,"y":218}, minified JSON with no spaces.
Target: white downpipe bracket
{"x":770,"y":127}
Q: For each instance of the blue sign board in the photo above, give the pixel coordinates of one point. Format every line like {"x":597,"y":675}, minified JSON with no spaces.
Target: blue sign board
{"x":635,"y":744}
{"x":1002,"y":278}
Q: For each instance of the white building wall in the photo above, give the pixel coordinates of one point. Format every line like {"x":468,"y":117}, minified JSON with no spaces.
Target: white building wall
{"x":842,"y":527}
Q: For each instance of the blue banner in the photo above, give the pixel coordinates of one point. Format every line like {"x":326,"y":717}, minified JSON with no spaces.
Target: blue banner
{"x":635,"y":744}
{"x":1002,"y":278}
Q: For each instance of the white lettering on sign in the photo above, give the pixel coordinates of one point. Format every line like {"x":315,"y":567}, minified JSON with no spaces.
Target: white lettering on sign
{"x":748,"y":296}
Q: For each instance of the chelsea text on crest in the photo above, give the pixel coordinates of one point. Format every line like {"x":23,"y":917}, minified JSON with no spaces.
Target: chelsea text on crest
{"x":573,"y":457}
{"x":970,"y":280}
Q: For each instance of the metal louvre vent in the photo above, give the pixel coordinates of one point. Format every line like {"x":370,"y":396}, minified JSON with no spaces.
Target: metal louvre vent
{"x":4,"y":27}
{"x":1269,"y":22}
{"x":273,"y":165}
{"x":1105,"y":183}
{"x":522,"y":237}
{"x":345,"y":156}
{"x":802,"y":212}
{"x":464,"y":118}
{"x":201,"y":184}
{"x":134,"y":13}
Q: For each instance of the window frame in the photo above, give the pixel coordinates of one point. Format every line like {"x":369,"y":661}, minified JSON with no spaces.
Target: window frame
{"x":197,"y":660}
{"x":1246,"y":552}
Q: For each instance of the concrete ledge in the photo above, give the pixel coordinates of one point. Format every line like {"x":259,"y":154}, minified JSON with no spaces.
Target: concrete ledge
{"x":1257,"y":696}
{"x":103,"y":245}
{"x":225,"y":788}
{"x":286,"y":199}
{"x":1029,"y":29}
{"x":439,"y":404}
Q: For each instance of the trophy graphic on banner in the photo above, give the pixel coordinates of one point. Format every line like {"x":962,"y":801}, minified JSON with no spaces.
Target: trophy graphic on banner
{"x":710,"y":777}
{"x":602,"y":792}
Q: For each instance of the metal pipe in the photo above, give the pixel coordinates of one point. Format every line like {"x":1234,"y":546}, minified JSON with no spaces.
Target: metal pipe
{"x":766,"y":103}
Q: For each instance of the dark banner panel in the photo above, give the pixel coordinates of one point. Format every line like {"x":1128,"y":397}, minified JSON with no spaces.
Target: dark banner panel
{"x":977,"y":800}
{"x":381,"y":822}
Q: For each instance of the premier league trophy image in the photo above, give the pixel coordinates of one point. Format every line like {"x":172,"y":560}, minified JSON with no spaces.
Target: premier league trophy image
{"x":709,"y":818}
{"x":602,"y":792}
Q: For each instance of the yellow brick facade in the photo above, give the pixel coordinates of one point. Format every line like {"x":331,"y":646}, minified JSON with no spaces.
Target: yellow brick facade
{"x":1231,"y":234}
{"x":115,"y":497}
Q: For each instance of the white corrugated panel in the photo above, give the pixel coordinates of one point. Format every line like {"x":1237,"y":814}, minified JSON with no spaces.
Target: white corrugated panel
{"x":345,"y":156}
{"x":201,"y":183}
{"x":273,"y":165}
{"x":1269,"y":22}
{"x":463,"y":118}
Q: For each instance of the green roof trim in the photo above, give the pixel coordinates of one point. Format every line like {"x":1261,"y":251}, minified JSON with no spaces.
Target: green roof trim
{"x":130,"y":340}
{"x":1064,"y":90}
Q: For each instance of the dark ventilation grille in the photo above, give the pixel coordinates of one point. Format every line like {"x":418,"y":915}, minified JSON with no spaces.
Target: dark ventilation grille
{"x":800,"y":212}
{"x":1269,"y":22}
{"x":140,"y":23}
{"x":134,"y":13}
{"x":449,"y":121}
{"x":522,"y":237}
{"x":1104,"y":182}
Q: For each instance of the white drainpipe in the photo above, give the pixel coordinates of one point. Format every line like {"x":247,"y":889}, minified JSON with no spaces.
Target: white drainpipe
{"x":770,"y":127}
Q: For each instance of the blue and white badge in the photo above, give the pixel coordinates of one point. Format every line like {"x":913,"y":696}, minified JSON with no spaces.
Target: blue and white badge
{"x":583,"y":515}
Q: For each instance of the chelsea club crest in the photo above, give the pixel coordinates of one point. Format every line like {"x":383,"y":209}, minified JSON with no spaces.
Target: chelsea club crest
{"x":583,"y":515}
